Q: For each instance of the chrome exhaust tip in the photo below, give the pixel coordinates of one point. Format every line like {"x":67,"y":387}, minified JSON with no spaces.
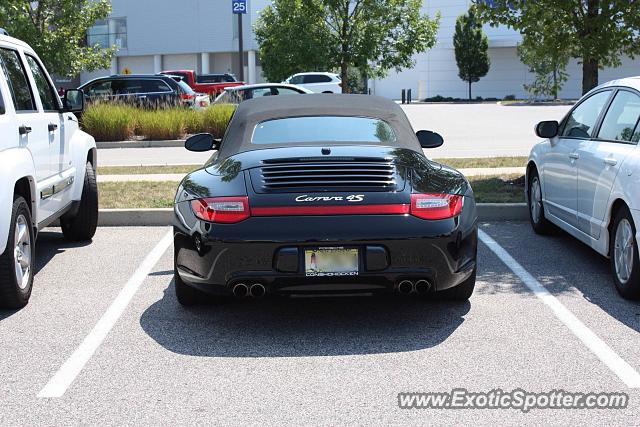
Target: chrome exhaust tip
{"x":405,"y":287}
{"x":423,"y":287}
{"x":257,"y":290}
{"x":240,"y":290}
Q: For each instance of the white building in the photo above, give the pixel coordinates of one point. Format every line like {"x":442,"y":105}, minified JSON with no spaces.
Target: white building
{"x":156,"y":35}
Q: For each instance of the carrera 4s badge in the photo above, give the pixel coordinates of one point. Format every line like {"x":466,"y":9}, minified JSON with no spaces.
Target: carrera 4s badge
{"x":353,"y":198}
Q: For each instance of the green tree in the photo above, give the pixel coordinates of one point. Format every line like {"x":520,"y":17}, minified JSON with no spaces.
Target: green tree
{"x":547,"y":59}
{"x":373,"y":36}
{"x":596,"y":32}
{"x":471,"y":49}
{"x":292,"y":38}
{"x":56,"y":30}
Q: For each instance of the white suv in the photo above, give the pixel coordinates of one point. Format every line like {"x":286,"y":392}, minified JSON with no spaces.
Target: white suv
{"x":317,"y":82}
{"x":47,"y":167}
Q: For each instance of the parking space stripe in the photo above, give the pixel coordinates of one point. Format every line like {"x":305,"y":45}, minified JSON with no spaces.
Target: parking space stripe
{"x":606,"y":354}
{"x":60,"y":382}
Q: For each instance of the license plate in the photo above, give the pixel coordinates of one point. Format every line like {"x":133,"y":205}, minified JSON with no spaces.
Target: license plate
{"x":331,"y":262}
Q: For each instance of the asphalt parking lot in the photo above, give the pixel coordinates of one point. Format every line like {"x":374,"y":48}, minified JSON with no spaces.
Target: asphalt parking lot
{"x":104,"y":332}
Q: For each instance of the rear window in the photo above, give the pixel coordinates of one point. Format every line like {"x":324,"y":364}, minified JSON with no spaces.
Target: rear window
{"x":323,"y":129}
{"x":317,"y":78}
{"x":185,"y":87}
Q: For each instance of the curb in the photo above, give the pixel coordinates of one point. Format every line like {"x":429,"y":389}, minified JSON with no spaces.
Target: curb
{"x":139,"y":144}
{"x":164,"y":217}
{"x":135,"y":217}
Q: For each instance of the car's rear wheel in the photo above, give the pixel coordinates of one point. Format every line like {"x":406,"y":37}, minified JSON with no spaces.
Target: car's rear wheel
{"x":82,"y":226}
{"x":539,"y":222}
{"x":462,"y":292}
{"x":16,"y":263}
{"x":625,"y":264}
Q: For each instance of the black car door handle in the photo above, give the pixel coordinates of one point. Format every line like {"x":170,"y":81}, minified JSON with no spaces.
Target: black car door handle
{"x":53,"y":127}
{"x":23,"y":130}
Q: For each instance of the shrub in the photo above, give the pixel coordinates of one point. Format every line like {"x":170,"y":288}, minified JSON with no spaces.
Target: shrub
{"x":115,"y":122}
{"x":109,"y":122}
{"x":158,"y":125}
{"x":509,"y":98}
{"x":216,"y":118}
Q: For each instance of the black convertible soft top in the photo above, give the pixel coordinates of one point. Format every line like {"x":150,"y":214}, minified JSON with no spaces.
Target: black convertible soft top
{"x":255,"y":111}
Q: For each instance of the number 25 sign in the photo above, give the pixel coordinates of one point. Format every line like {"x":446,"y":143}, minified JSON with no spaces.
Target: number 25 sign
{"x":239,"y":6}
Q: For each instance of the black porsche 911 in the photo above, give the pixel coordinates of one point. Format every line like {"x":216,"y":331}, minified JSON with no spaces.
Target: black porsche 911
{"x":323,"y":194}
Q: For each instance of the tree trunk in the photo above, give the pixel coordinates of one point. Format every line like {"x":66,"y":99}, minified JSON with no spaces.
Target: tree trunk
{"x":589,"y":74}
{"x":469,"y":91}
{"x":344,"y":75}
{"x":555,"y":82}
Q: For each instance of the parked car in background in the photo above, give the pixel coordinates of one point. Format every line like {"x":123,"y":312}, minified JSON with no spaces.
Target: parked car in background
{"x":216,"y":78}
{"x":237,"y":94}
{"x":48,"y":167}
{"x":146,"y":90}
{"x":317,"y":82}
{"x":198,"y":101}
{"x":211,"y":88}
{"x":585,"y":177}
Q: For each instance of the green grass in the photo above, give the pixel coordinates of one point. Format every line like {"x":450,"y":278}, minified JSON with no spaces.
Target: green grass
{"x":498,"y":189}
{"x":484,"y":162}
{"x":135,"y":194}
{"x":144,"y":170}
{"x":490,"y":162}
{"x":116,"y":122}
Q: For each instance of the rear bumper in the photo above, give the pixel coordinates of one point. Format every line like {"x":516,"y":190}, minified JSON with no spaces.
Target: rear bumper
{"x":270,"y":251}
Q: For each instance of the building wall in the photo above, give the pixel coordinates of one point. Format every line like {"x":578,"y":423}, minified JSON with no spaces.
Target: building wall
{"x":180,"y":62}
{"x":436,"y":71}
{"x":136,"y":64}
{"x":181,"y":34}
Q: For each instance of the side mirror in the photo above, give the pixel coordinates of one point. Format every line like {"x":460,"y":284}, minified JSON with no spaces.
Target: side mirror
{"x":548,"y":129}
{"x":73,"y":101}
{"x":201,"y":142}
{"x":429,"y":139}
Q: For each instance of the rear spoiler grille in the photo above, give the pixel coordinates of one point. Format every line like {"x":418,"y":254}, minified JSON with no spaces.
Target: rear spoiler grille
{"x":322,"y":176}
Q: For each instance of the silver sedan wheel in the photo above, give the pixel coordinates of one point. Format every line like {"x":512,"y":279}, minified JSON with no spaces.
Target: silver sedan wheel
{"x":535,"y":202}
{"x":623,"y":251}
{"x":22,"y":252}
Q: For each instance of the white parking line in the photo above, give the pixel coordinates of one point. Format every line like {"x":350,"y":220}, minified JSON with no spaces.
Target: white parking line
{"x":618,"y":366}
{"x":60,"y":382}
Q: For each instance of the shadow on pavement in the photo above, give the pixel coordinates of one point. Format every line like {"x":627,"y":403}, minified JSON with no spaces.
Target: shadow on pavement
{"x":50,"y":244}
{"x":283,"y":327}
{"x":564,"y":265}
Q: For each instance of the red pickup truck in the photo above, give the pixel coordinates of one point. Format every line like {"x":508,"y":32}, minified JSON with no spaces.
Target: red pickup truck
{"x":212,"y":84}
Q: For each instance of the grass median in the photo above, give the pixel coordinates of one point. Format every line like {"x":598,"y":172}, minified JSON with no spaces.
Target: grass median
{"x":151,"y":195}
{"x":482,"y":162}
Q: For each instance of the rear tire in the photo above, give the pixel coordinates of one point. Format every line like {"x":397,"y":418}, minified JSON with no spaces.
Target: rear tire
{"x":17,"y":261}
{"x":462,"y":292}
{"x":82,"y":226}
{"x":539,"y":222}
{"x":623,"y":248}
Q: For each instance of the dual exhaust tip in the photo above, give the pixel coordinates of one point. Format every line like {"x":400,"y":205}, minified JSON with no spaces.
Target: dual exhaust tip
{"x":257,"y":290}
{"x":420,"y":287}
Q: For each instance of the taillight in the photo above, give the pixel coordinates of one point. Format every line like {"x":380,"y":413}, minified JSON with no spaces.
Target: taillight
{"x":224,"y":210}
{"x":187,"y":96}
{"x":436,"y":206}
